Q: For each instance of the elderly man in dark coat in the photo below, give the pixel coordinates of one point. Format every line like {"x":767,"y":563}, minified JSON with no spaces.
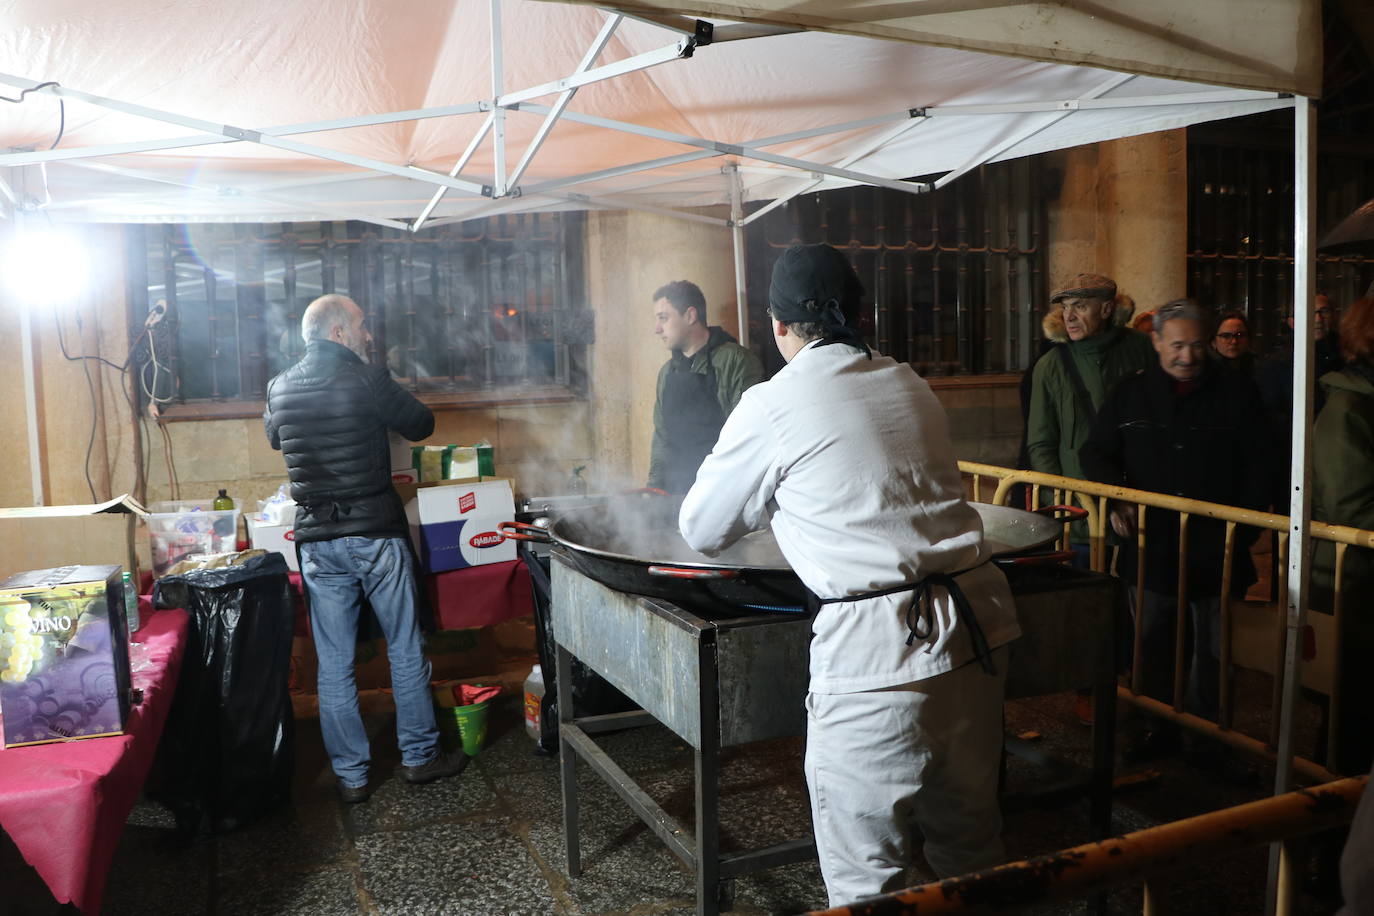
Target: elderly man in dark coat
{"x":1182,"y":428}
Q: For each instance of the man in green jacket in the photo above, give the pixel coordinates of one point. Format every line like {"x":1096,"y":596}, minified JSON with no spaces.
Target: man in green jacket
{"x":1071,"y":381}
{"x":697,"y":387}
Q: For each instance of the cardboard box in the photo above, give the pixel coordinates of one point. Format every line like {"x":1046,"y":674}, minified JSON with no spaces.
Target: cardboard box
{"x":64,"y":655}
{"x":43,"y":537}
{"x":453,"y":522}
{"x":274,"y":539}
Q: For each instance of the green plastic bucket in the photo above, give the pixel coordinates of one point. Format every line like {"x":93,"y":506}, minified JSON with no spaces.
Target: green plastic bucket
{"x":471,"y":723}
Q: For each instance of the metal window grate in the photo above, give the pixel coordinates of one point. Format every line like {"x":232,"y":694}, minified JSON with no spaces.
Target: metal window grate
{"x":1240,"y":229}
{"x":954,"y":278}
{"x":485,"y":305}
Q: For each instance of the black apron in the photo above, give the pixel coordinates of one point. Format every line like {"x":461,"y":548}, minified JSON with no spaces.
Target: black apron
{"x":918,"y":613}
{"x":692,"y":418}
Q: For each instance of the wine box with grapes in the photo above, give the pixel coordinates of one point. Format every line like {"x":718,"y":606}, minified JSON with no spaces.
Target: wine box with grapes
{"x":64,"y":655}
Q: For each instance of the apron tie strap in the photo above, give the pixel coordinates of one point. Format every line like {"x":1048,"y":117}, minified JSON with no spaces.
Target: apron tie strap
{"x":920,"y":613}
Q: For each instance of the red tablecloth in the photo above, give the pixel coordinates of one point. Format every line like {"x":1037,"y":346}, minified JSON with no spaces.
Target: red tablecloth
{"x":64,"y":805}
{"x":474,"y":597}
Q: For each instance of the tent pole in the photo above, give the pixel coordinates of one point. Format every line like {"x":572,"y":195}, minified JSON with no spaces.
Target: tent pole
{"x":498,"y":121}
{"x":30,"y":370}
{"x":1300,"y":484}
{"x":737,"y":238}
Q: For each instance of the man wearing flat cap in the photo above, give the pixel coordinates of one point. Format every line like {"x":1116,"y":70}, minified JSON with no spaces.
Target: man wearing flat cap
{"x":1071,"y":382}
{"x":846,"y":454}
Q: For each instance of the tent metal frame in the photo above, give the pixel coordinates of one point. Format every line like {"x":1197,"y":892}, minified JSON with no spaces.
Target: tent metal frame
{"x":508,"y":194}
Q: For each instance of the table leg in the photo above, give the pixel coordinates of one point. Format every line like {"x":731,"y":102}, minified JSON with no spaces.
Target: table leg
{"x":567,"y":759}
{"x":1104,"y":741}
{"x":1100,"y":791}
{"x":708,"y":788}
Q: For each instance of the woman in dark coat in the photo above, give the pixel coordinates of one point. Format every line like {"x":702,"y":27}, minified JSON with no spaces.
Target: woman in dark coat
{"x":1231,"y":343}
{"x":1343,"y":494}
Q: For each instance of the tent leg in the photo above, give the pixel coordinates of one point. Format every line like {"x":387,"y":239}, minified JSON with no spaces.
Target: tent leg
{"x":1300,"y":506}
{"x":737,"y":237}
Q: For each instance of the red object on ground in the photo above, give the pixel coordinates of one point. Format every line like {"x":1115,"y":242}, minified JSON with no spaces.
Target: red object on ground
{"x":478,"y":596}
{"x":64,"y":805}
{"x":470,"y":694}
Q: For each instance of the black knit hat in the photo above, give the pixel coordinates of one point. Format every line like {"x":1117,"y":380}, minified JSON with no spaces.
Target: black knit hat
{"x":815,"y":284}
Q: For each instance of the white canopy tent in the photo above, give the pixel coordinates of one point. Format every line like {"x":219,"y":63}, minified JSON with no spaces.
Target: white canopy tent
{"x":439,"y":110}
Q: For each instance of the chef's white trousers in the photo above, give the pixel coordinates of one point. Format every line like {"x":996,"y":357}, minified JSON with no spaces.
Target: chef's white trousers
{"x":925,"y":754}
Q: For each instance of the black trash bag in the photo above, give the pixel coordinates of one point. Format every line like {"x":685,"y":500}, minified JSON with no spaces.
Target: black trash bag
{"x":592,"y":694}
{"x":226,"y":757}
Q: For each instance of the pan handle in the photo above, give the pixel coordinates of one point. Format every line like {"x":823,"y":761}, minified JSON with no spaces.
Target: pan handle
{"x":1038,"y":559}
{"x":519,"y":531}
{"x":1063,"y":513}
{"x":680,"y":572}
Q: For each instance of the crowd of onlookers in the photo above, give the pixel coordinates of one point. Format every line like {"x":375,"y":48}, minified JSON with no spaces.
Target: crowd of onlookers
{"x":1175,"y":401}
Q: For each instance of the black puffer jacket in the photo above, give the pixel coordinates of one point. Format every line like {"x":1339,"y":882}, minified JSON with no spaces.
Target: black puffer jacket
{"x":329,"y":415}
{"x":1209,"y":444}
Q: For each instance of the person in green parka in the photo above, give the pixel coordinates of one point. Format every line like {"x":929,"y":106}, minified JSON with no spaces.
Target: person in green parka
{"x":1343,"y":494}
{"x":1072,"y":380}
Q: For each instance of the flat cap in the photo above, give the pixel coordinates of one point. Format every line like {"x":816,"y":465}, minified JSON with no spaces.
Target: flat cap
{"x":1086,"y":286}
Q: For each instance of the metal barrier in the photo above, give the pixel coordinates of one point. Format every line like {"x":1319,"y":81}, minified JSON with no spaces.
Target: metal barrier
{"x":1095,"y":499}
{"x":1144,"y":856}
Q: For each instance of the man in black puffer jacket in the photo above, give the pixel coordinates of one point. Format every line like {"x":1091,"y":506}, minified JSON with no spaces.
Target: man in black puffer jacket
{"x":1182,"y":428}
{"x":329,"y":414}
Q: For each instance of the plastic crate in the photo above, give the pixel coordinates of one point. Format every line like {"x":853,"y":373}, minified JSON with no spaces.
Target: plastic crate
{"x":178,"y":529}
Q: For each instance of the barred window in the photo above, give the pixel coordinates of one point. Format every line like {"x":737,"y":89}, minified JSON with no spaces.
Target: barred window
{"x":1240,"y":223}
{"x":473,"y":312}
{"x":954,"y":277}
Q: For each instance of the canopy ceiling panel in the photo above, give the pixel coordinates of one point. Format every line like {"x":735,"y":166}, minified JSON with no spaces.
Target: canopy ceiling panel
{"x":1251,"y":44}
{"x":270,"y":67}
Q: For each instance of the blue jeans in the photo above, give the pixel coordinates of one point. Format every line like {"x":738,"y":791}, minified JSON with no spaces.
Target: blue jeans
{"x":337,"y":574}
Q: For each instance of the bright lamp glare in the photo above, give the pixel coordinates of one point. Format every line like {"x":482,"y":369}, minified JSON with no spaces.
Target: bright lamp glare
{"x":43,"y":267}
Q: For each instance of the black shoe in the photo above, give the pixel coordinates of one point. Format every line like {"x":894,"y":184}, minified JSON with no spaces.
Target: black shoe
{"x":1153,"y":744}
{"x":444,"y":764}
{"x":352,"y":795}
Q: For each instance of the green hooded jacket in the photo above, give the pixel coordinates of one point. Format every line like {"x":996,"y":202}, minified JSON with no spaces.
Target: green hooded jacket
{"x":737,"y":368}
{"x":1343,"y":487}
{"x":1058,"y":426}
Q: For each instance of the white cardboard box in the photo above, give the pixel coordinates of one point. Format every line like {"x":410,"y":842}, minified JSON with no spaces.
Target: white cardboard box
{"x":453,"y":522}
{"x":278,"y":538}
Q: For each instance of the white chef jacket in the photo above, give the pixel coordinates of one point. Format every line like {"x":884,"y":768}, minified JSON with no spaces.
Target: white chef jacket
{"x":850,"y":461}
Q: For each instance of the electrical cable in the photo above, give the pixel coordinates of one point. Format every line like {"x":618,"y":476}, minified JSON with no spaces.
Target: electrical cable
{"x":61,"y":108}
{"x":90,"y":441}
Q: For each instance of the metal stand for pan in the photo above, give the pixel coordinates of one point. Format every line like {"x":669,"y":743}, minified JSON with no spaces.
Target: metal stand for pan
{"x":723,"y":683}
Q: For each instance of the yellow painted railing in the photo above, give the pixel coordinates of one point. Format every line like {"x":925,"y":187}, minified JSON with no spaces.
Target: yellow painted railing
{"x":1146,"y":856}
{"x":1264,"y":625}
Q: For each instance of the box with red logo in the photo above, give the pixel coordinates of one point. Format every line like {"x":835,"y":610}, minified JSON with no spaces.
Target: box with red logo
{"x":278,"y":538}
{"x":402,"y":461}
{"x":453,"y":522}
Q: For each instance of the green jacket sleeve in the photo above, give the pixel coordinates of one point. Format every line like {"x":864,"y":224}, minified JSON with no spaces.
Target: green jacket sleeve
{"x":737,"y":369}
{"x":1042,"y":427}
{"x":1344,"y":474}
{"x":658,"y":451}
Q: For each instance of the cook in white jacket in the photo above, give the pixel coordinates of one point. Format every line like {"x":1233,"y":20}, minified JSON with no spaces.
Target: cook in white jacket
{"x":847,"y":455}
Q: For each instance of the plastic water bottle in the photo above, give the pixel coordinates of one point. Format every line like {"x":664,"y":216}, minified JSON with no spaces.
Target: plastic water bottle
{"x":131,"y":606}
{"x":534,"y":700}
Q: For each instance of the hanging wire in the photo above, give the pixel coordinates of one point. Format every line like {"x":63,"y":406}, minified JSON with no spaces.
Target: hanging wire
{"x":61,"y":108}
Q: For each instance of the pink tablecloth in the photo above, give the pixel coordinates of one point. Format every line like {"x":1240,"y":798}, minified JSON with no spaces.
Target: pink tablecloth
{"x":475,"y":597}
{"x":64,"y":805}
